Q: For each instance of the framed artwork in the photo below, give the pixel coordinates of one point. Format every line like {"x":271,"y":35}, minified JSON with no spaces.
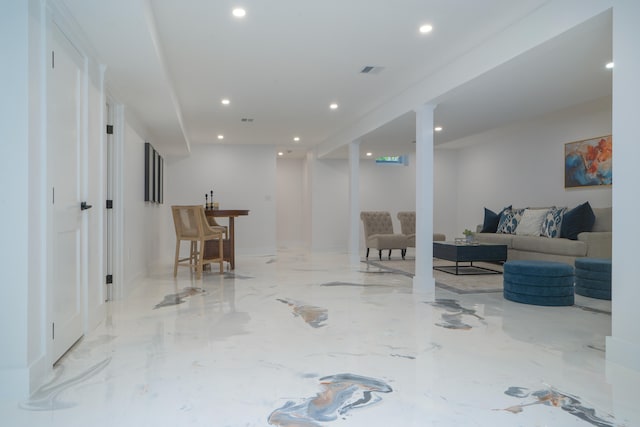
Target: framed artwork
{"x":587,"y":163}
{"x":148,"y":172}
{"x":154,"y":196}
{"x":153,"y":175}
{"x":159,"y":179}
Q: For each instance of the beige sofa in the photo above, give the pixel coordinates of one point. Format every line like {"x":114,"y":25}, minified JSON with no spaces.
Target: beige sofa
{"x":593,"y":244}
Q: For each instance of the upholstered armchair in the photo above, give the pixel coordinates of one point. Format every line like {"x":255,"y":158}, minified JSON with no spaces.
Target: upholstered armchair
{"x":408,"y":228}
{"x":378,"y":233}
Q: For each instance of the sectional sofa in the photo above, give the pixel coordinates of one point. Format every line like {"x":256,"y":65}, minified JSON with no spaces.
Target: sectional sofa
{"x":563,"y":235}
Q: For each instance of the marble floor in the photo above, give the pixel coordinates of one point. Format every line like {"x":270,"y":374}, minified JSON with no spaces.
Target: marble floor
{"x":300,"y":339}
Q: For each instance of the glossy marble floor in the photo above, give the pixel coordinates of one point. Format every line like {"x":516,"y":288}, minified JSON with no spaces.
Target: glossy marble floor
{"x":299,"y":339}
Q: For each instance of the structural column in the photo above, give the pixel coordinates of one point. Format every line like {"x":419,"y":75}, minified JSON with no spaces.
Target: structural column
{"x":623,"y":346}
{"x":423,"y":280}
{"x":354,"y":202}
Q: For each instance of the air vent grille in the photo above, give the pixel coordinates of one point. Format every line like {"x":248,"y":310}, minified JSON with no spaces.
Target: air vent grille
{"x":371,"y":69}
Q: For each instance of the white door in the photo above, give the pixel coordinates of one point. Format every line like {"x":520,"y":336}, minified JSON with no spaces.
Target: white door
{"x":64,"y":125}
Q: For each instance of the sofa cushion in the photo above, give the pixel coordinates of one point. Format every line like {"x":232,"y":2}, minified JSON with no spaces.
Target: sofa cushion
{"x":603,"y":219}
{"x":490,"y":223}
{"x":546,"y":245}
{"x":494,"y":238}
{"x":387,"y":241}
{"x":552,"y":222}
{"x":531,"y":222}
{"x":576,"y":221}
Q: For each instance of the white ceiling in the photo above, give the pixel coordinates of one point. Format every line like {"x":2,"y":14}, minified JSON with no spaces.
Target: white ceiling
{"x":171,"y":62}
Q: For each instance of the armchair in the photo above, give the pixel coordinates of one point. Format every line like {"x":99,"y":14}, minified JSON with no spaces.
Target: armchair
{"x":378,"y":233}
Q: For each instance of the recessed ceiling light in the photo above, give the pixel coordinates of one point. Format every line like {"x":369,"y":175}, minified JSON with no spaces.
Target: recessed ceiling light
{"x":609,"y":65}
{"x":239,"y":12}
{"x":280,"y":153}
{"x":438,"y":128}
{"x":369,"y":154}
{"x":333,"y":106}
{"x":225,"y":101}
{"x":296,"y":139}
{"x":424,"y":29}
{"x":220,"y":136}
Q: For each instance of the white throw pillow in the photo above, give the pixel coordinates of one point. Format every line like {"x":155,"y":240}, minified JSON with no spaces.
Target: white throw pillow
{"x":531,"y":222}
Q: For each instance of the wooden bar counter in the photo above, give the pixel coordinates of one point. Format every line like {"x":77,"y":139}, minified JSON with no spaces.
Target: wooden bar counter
{"x":229,"y":242}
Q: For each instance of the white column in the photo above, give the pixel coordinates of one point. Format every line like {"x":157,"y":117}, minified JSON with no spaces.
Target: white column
{"x":354,"y":202}
{"x":423,"y":280}
{"x":623,"y":346}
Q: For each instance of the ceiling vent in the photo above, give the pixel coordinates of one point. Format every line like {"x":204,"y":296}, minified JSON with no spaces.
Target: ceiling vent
{"x":371,"y":69}
{"x":246,"y":120}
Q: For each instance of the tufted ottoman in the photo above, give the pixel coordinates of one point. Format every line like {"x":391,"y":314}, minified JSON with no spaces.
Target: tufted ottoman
{"x":593,"y":277}
{"x":538,"y":282}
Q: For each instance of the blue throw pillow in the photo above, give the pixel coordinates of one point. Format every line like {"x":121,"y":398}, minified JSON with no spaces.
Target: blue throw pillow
{"x":509,"y":219}
{"x":490,"y":224}
{"x":577,"y":220}
{"x":552,"y":223}
{"x":502,"y":218}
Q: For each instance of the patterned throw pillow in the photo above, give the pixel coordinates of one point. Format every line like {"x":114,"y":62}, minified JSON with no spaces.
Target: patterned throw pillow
{"x":531,"y":222}
{"x":552,"y":222}
{"x":509,"y":221}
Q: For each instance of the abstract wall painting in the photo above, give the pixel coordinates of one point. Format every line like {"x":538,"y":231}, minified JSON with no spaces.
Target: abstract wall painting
{"x":587,"y":163}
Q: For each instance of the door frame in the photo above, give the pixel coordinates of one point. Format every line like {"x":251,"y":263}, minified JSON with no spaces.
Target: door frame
{"x":116,"y":169}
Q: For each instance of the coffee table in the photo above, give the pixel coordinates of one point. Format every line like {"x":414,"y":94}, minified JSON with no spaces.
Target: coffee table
{"x":468,"y":252}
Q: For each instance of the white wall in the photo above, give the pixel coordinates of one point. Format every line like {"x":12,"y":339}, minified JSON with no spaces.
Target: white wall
{"x":14,"y":202}
{"x":382,"y":187}
{"x":329,"y":192}
{"x":241,"y":177}
{"x":289,"y":203}
{"x":387,"y":187}
{"x":140,"y":222}
{"x":445,"y":196}
{"x":325,"y":184}
{"x":521,"y":164}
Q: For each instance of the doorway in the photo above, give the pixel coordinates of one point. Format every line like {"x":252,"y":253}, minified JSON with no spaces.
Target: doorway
{"x":65,"y":98}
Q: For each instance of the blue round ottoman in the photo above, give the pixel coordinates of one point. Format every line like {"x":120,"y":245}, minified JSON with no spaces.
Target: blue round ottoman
{"x":593,"y":277}
{"x":538,"y":282}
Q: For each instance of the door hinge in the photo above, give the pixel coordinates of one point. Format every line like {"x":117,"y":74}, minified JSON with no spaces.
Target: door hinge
{"x":53,"y":331}
{"x":53,"y":59}
{"x":109,"y":204}
{"x":109,"y":279}
{"x":109,"y":129}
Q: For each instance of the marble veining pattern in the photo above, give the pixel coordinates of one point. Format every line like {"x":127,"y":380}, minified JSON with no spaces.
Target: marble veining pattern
{"x":257,"y":347}
{"x":340,"y":394}
{"x":554,"y":398}
{"x":312,"y":315}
